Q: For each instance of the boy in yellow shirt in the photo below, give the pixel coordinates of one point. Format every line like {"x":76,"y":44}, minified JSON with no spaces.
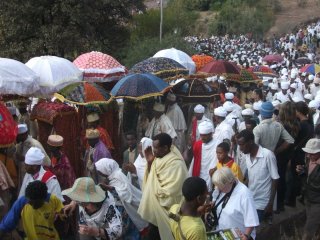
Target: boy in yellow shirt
{"x":38,"y":210}
{"x":185,"y":222}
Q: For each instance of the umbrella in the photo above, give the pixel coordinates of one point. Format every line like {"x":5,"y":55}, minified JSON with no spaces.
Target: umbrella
{"x":84,"y":93}
{"x":223,"y":68}
{"x":201,"y":60}
{"x":246,"y":76}
{"x":8,"y":127}
{"x":138,"y":86}
{"x":161,"y":67}
{"x":273,"y":58}
{"x":303,"y":60}
{"x":311,"y":68}
{"x":17,"y":79}
{"x":194,"y":90}
{"x":262,"y":71}
{"x":179,"y":56}
{"x":55,"y":73}
{"x":99,"y":67}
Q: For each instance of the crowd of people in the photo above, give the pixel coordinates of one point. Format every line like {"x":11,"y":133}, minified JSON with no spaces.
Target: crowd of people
{"x":231,"y":166}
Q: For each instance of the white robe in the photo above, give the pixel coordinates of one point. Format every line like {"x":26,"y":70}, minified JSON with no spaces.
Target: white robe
{"x":160,"y":125}
{"x":52,"y":184}
{"x":208,"y":161}
{"x":174,"y":113}
{"x":281,"y":97}
{"x":223,"y":131}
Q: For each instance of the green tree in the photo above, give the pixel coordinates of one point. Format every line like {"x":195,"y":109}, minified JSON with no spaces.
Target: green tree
{"x":63,"y":27}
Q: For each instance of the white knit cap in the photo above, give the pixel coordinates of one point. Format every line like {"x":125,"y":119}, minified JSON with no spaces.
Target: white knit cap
{"x":199,"y":109}
{"x":314,"y":104}
{"x":220,"y":112}
{"x":229,"y":95}
{"x":257,"y":106}
{"x":22,"y":128}
{"x":285,"y":85}
{"x":308,"y":96}
{"x":247,"y":112}
{"x":228,"y":106}
{"x":205,"y":127}
{"x":34,"y":156}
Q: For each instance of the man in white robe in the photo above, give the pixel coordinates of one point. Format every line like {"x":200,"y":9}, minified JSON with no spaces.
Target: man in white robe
{"x":160,"y":123}
{"x":223,"y":128}
{"x":204,"y":152}
{"x":174,"y":113}
{"x":283,"y":95}
{"x":295,"y":93}
{"x":199,"y":118}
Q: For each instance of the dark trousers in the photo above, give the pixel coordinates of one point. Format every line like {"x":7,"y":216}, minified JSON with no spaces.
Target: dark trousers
{"x":153,"y":233}
{"x":282,"y":163}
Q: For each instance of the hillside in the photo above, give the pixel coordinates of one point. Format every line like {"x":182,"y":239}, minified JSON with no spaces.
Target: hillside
{"x":290,"y":16}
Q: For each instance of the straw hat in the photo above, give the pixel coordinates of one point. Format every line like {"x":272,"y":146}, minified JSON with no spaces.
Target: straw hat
{"x":84,"y":190}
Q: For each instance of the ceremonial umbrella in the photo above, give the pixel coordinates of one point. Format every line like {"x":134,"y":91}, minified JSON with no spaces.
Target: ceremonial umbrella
{"x":84,"y":93}
{"x":201,"y":60}
{"x":179,"y":56}
{"x":8,"y":128}
{"x":222,"y":68}
{"x":99,"y":67}
{"x":311,"y":68}
{"x":262,"y":71}
{"x":273,"y":58}
{"x":161,"y":67}
{"x":17,"y":79}
{"x":138,"y":86}
{"x":55,"y":73}
{"x":194,"y":90}
{"x":303,"y":60}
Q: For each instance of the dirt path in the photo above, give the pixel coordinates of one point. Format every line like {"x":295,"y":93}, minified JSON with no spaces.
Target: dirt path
{"x":292,"y":15}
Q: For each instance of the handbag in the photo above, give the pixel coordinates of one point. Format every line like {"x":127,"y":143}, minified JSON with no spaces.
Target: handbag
{"x":212,"y":218}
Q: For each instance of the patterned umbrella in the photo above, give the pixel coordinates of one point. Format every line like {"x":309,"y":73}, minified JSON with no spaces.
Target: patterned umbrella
{"x":273,"y":58}
{"x":84,"y":93}
{"x":138,"y":86}
{"x":245,"y":77}
{"x":161,"y":67}
{"x":262,"y":71}
{"x":8,"y":128}
{"x":99,"y":67}
{"x":201,"y":60}
{"x":194,"y":90}
{"x":222,"y":68}
{"x":311,"y":68}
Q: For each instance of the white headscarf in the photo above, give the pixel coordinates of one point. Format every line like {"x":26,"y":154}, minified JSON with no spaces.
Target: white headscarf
{"x":141,"y":162}
{"x":129,"y":195}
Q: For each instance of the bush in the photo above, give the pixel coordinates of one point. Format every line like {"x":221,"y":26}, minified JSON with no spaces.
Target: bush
{"x":200,"y":5}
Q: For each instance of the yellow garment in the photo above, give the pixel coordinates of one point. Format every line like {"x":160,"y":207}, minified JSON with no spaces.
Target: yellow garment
{"x":38,"y":224}
{"x":234,"y":168}
{"x":162,"y":189}
{"x":192,"y":228}
{"x":11,"y":167}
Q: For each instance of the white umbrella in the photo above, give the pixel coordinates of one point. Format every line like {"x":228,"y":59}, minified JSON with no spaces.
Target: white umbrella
{"x":55,"y":73}
{"x":179,"y":56}
{"x":17,"y":79}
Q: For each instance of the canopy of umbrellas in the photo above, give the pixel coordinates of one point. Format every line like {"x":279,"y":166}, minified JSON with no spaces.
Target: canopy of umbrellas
{"x":240,"y":60}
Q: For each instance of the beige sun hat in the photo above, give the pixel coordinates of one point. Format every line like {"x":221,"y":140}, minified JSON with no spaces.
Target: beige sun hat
{"x":312,"y":146}
{"x":84,"y":190}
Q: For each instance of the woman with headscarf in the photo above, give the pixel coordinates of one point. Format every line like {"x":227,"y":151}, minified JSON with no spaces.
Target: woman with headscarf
{"x":126,"y":195}
{"x":137,"y":169}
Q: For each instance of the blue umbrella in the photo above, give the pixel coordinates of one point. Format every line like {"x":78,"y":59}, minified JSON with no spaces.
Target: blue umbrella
{"x":138,"y":86}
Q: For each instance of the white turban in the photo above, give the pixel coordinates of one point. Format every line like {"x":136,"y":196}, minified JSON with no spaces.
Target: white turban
{"x":34,"y":156}
{"x":229,"y":95}
{"x":247,"y":112}
{"x":205,"y":127}
{"x":220,"y":112}
{"x":257,"y":106}
{"x":314,"y":104}
{"x":285,"y":85}
{"x":199,"y":109}
{"x":308,"y":96}
{"x":228,"y":106}
{"x":22,"y":128}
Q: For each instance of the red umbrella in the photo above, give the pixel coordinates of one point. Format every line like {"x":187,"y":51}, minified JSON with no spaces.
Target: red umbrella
{"x":99,"y":67}
{"x":273,"y":58}
{"x":220,"y":67}
{"x":8,"y":128}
